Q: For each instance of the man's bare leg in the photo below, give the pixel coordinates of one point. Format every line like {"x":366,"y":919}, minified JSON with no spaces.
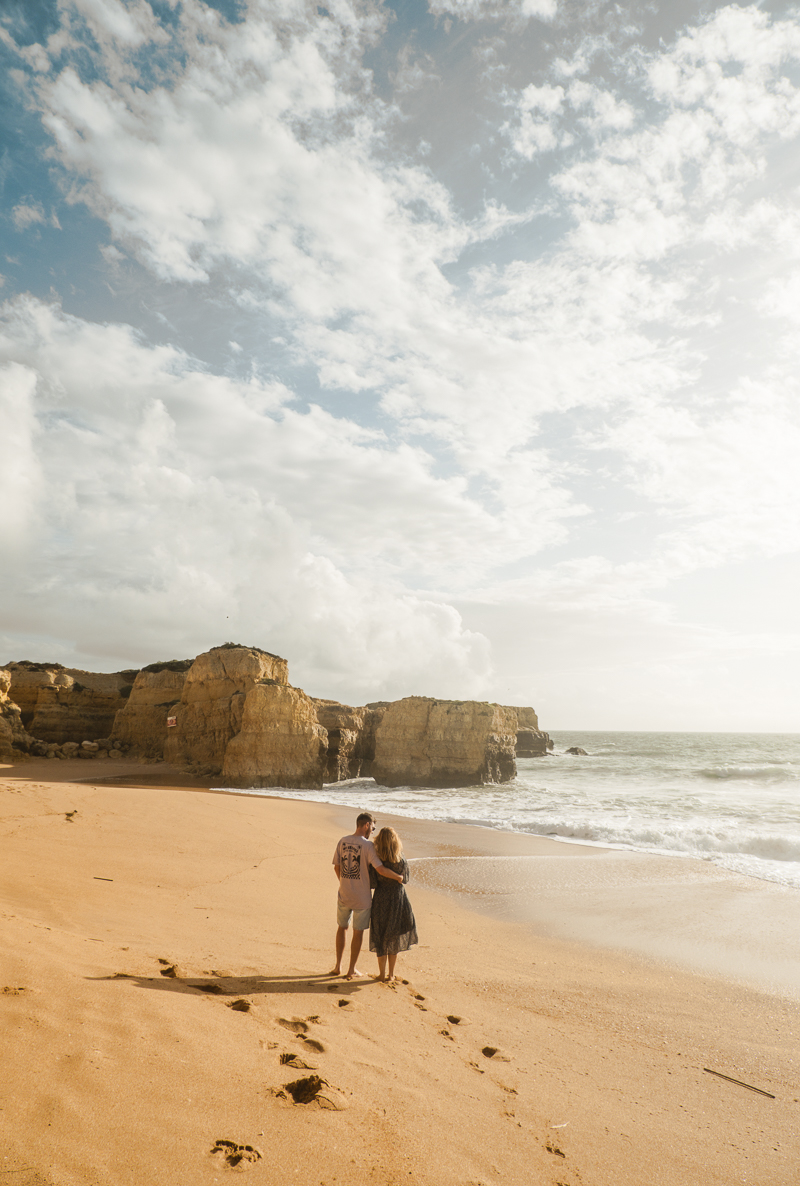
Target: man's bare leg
{"x":340,"y":937}
{"x":355,"y":948}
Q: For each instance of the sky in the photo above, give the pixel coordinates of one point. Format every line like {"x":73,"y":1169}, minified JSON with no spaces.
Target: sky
{"x":443,"y":347}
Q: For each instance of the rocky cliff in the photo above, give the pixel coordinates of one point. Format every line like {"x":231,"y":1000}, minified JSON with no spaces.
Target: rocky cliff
{"x":425,"y":742}
{"x":531,"y":743}
{"x":141,"y":724}
{"x":280,"y":742}
{"x":231,"y":712}
{"x":61,"y":704}
{"x":13,"y":735}
{"x":212,"y":703}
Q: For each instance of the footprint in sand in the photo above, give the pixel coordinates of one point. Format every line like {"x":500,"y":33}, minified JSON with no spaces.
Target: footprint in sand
{"x":344,"y":1002}
{"x":8,"y":991}
{"x":236,"y":1155}
{"x":295,"y":1024}
{"x":300,"y":1027}
{"x":169,"y":969}
{"x":313,"y":1090}
{"x":240,"y":1006}
{"x":495,"y":1054}
{"x":289,"y":1059}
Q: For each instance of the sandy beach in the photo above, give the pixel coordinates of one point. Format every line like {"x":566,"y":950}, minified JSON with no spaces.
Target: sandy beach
{"x":164,"y":990}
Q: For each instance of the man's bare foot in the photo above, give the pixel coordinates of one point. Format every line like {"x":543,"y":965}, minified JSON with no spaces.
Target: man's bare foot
{"x":353,"y":973}
{"x":334,"y":972}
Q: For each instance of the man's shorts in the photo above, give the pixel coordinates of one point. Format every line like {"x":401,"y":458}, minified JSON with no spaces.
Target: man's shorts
{"x":360,"y":917}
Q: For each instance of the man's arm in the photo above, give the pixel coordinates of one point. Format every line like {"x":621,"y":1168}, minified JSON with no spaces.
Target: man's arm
{"x":384,"y":872}
{"x":338,"y":871}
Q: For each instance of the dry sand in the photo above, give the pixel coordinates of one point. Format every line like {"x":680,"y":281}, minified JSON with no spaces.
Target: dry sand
{"x":135,"y":917}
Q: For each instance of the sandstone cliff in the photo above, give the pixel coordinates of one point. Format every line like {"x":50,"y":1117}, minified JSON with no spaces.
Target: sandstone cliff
{"x":61,"y":704}
{"x":526,"y":718}
{"x":142,"y":723}
{"x":13,"y":735}
{"x":212,"y":703}
{"x":343,"y":726}
{"x":531,"y":743}
{"x":280,"y":742}
{"x":425,"y":742}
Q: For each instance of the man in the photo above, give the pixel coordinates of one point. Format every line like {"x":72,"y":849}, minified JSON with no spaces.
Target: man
{"x":351,"y":862}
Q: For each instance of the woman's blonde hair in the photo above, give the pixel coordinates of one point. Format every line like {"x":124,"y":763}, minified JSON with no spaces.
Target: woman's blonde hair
{"x":388,"y":846}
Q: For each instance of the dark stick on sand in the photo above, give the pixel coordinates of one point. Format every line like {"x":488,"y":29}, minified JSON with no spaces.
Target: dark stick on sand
{"x":749,"y":1086}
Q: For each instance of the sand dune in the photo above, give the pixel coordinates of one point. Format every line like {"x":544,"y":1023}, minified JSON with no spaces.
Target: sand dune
{"x":166,"y":1018}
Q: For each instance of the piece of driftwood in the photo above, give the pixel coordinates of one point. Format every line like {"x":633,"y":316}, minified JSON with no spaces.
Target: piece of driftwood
{"x":749,"y":1086}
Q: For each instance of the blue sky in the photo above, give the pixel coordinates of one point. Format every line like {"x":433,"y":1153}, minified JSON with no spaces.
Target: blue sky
{"x":445,"y":348}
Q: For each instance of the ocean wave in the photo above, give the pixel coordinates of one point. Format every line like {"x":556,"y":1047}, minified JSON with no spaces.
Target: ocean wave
{"x":698,"y":841}
{"x":776,"y":773}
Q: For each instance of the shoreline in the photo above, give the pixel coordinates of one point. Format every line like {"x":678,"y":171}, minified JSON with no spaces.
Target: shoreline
{"x":133,"y":917}
{"x":640,"y":904}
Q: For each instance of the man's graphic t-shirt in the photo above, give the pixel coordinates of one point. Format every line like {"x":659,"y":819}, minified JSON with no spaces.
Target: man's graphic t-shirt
{"x":354,"y":855}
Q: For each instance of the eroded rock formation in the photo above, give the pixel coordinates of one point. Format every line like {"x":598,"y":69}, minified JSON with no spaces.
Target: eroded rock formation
{"x":142,"y":723}
{"x":531,"y":743}
{"x":425,"y":742}
{"x":212,"y":703}
{"x":280,"y":741}
{"x":13,"y":735}
{"x":61,"y":704}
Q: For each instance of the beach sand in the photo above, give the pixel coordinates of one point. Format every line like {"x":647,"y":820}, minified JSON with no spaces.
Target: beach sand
{"x":536,"y":1038}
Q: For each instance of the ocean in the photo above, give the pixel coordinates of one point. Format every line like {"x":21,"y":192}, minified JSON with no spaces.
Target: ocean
{"x":729,"y":798}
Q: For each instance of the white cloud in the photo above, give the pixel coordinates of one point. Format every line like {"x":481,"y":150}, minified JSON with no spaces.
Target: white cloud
{"x":613,"y":376}
{"x":500,"y":10}
{"x":20,"y":477}
{"x":27,"y":214}
{"x":171,"y":509}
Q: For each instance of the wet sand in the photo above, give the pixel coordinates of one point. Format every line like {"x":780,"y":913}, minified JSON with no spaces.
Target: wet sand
{"x":536,"y":1038}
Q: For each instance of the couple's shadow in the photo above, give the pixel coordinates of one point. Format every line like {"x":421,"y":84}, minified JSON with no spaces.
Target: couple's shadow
{"x":216,"y":984}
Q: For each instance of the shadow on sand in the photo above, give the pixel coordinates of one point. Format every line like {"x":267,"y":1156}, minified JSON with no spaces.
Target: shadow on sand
{"x":243,"y":986}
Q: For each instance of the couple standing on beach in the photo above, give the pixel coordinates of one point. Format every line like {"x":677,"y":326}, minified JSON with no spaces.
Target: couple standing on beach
{"x":388,"y":914}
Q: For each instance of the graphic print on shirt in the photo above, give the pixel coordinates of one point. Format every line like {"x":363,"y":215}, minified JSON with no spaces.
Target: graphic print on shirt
{"x":351,"y":861}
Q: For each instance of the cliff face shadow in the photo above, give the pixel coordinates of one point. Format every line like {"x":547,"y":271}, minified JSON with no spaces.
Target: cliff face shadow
{"x":242,"y":986}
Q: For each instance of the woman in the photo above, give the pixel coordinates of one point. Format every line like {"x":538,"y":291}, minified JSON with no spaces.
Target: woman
{"x":391,"y":927}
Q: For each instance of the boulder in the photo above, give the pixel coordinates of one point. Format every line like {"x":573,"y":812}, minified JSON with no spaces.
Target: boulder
{"x":425,"y":742}
{"x":576,"y":749}
{"x":211,"y":706}
{"x":141,"y":723}
{"x":280,"y":743}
